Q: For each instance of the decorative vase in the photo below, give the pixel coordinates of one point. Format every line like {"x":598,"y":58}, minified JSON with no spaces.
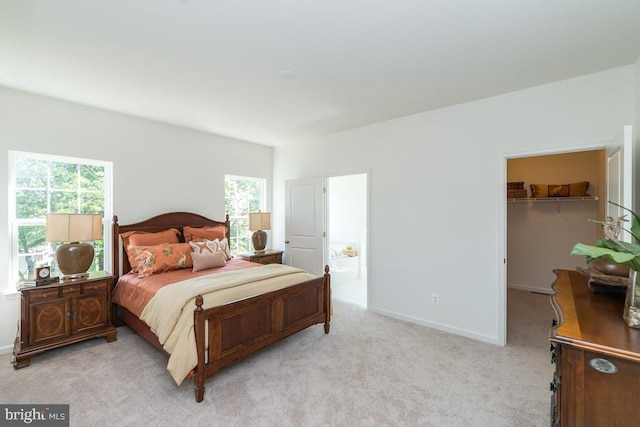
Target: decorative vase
{"x":631,"y":312}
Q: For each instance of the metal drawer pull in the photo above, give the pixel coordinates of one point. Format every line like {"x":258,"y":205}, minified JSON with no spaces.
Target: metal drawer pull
{"x":70,"y":289}
{"x":45,"y":295}
{"x":603,"y":365}
{"x":95,"y":286}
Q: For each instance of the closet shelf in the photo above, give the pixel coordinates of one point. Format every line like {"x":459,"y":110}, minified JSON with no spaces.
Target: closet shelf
{"x":552,"y":199}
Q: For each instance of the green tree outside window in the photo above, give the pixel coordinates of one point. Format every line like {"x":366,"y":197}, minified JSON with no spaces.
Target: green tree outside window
{"x":40,"y":186}
{"x":242,"y":196}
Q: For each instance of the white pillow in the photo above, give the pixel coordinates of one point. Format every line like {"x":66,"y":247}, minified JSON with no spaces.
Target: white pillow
{"x":204,"y":261}
{"x":224,"y":245}
{"x":206,"y":246}
{"x":219,"y":245}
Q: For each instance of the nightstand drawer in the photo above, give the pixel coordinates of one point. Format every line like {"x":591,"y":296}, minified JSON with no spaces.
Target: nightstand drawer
{"x":94,"y":287}
{"x":43,"y":295}
{"x":71,"y":290}
{"x":270,"y":259}
{"x":269,"y":256}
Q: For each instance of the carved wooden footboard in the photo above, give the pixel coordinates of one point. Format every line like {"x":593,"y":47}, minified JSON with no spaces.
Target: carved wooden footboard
{"x":241,"y":328}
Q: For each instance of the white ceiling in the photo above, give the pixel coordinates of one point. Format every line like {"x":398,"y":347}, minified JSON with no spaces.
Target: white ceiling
{"x":215,"y":65}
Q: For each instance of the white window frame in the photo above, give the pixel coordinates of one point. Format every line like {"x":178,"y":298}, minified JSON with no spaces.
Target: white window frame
{"x":262,"y":185}
{"x":14,"y":222}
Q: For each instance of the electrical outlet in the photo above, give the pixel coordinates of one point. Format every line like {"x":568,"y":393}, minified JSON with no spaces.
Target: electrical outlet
{"x":435,"y":298}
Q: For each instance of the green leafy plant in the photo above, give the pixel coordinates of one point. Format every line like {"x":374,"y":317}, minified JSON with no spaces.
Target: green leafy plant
{"x":611,"y":247}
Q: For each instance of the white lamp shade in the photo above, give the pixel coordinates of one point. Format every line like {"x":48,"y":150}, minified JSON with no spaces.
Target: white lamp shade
{"x":259,"y":221}
{"x":65,"y":227}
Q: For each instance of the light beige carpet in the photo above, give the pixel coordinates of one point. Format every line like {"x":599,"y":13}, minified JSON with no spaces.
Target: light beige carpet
{"x":369,"y":371}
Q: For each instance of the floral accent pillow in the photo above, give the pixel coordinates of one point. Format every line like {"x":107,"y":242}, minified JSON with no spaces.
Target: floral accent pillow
{"x":161,"y":258}
{"x":142,"y":238}
{"x":204,"y":261}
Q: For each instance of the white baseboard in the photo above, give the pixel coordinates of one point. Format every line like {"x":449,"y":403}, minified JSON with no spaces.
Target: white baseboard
{"x":536,"y":289}
{"x":439,"y":326}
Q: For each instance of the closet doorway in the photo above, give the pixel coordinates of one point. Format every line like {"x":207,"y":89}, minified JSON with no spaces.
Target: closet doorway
{"x":347,"y":240}
{"x":539,"y":234}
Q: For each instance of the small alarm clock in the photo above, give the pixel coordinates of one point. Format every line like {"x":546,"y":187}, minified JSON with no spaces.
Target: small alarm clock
{"x":43,"y":272}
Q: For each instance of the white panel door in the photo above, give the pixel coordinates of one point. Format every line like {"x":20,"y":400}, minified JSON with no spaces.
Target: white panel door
{"x":304,"y":224}
{"x":620,"y":177}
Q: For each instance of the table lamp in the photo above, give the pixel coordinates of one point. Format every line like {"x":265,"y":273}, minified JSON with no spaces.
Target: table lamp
{"x":258,"y":222}
{"x":75,"y":256}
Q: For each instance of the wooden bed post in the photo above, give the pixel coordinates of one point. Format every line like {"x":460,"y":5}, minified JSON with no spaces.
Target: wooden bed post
{"x":116,"y":248}
{"x":327,"y":299}
{"x":199,"y":322}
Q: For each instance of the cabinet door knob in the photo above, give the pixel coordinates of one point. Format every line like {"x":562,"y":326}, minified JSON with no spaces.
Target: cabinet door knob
{"x":603,"y":365}
{"x":68,"y":315}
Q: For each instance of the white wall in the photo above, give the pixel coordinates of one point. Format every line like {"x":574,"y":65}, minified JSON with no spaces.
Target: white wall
{"x":448,"y":166}
{"x":157,"y":168}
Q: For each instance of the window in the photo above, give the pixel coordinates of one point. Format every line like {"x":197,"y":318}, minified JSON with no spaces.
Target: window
{"x":242,"y":196}
{"x":41,"y":184}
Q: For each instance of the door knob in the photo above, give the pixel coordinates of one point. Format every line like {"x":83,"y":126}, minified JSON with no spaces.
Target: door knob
{"x":286,"y":242}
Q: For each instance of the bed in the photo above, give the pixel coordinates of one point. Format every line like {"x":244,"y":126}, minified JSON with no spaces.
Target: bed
{"x":208,"y":319}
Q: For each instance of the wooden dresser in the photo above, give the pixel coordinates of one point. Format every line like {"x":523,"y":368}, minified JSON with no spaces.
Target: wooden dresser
{"x":63,"y":313}
{"x":597,"y":357}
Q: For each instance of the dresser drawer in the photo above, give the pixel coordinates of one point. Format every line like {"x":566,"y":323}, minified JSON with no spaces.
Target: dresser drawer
{"x":43,"y":295}
{"x":94,"y":287}
{"x":70,"y":290}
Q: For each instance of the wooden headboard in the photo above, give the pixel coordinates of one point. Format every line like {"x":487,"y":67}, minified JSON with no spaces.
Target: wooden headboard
{"x":162,"y":222}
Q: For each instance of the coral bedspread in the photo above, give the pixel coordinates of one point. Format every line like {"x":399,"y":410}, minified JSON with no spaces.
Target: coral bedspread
{"x":169,"y":313}
{"x":133,"y":293}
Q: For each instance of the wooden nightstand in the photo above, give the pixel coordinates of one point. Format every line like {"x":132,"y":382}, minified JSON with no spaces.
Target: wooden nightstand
{"x":268,"y":257}
{"x":63,"y":313}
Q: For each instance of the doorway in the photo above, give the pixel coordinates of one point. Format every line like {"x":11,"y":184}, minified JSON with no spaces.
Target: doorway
{"x":616,"y":173}
{"x":347,"y":238}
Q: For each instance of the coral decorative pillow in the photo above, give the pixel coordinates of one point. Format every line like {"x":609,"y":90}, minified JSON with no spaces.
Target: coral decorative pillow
{"x":203,"y":261}
{"x":161,"y":258}
{"x":141,"y":238}
{"x":199,"y":234}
